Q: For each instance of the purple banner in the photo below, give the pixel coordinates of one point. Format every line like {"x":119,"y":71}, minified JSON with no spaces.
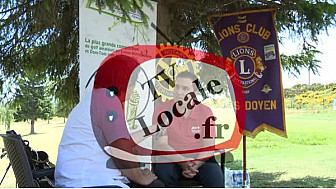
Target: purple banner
{"x":249,"y":40}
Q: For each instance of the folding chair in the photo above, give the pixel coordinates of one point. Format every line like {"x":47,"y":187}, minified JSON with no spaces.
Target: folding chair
{"x":21,"y":164}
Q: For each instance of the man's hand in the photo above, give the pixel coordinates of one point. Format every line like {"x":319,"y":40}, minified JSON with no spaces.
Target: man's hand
{"x":188,"y":174}
{"x":197,"y":164}
{"x":146,"y":177}
{"x":131,"y":169}
{"x":188,"y":170}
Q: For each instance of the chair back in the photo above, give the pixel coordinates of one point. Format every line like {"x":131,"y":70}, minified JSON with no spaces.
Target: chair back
{"x":18,"y":159}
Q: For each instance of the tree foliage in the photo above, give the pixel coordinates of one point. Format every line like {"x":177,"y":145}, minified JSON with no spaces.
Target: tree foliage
{"x":310,"y":96}
{"x":301,"y":18}
{"x":31,"y":100}
{"x":51,"y":28}
{"x":6,"y":116}
{"x":303,"y":88}
{"x":62,"y":109}
{"x":126,"y":6}
{"x":307,"y":59}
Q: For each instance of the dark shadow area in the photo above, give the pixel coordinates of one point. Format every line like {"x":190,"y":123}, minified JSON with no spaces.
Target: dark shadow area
{"x":271,"y":180}
{"x":235,"y":165}
{"x":31,"y":134}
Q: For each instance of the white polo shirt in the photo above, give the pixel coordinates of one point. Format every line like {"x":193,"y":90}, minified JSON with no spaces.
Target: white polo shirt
{"x":81,"y":161}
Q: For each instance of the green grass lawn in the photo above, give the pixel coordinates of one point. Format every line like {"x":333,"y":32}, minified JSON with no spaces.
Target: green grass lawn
{"x":307,"y":158}
{"x":47,"y":138}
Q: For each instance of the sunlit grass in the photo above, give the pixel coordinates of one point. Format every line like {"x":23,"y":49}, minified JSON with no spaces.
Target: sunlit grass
{"x":307,"y":158}
{"x":47,"y":138}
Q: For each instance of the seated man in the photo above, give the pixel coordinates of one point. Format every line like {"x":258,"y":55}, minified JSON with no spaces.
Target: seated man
{"x":98,"y":121}
{"x":185,"y":132}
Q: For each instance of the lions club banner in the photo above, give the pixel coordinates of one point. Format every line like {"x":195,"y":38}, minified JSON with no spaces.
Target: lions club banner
{"x":249,"y":39}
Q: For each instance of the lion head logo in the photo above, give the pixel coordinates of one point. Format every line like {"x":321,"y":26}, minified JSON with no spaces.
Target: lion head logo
{"x":260,"y":67}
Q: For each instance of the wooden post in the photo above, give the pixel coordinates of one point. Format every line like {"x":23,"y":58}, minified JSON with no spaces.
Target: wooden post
{"x":240,"y":4}
{"x":244,"y":162}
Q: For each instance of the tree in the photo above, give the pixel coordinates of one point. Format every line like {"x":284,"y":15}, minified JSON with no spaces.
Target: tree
{"x":303,"y":20}
{"x":6,"y":116}
{"x":63,"y":110}
{"x":306,"y":59}
{"x":51,"y":27}
{"x":31,"y":100}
